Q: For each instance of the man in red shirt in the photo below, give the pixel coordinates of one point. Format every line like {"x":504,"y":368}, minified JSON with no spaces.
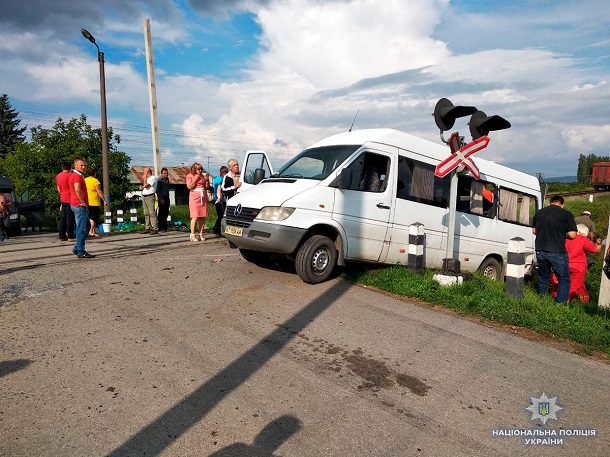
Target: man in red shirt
{"x":66,"y":221}
{"x":79,"y":202}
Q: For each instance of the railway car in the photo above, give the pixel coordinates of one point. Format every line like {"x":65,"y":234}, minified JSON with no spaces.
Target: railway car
{"x":600,"y":177}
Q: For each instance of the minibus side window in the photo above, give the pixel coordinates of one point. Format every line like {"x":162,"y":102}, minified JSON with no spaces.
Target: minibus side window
{"x":476,"y":197}
{"x":417,"y":182}
{"x":516,"y":207}
{"x":370,"y":172}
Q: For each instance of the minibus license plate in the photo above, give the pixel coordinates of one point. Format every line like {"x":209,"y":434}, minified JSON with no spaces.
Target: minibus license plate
{"x":237,"y":231}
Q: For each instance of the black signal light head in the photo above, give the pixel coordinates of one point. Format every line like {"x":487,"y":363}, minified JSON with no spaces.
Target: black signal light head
{"x":445,"y":113}
{"x":481,"y":124}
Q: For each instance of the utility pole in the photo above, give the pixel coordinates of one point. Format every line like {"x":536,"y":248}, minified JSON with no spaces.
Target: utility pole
{"x":208,"y":157}
{"x":152,"y":96}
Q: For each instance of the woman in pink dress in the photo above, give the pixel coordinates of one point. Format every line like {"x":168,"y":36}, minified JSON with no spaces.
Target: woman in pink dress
{"x":197,"y":183}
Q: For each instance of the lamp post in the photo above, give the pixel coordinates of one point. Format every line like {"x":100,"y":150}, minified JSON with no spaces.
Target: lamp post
{"x":105,"y":172}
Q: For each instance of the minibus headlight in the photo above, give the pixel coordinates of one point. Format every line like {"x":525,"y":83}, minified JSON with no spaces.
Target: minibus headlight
{"x":274,"y":213}
{"x":14,"y":217}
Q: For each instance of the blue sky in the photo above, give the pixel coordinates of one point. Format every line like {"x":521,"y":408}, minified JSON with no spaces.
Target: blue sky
{"x":279,"y":75}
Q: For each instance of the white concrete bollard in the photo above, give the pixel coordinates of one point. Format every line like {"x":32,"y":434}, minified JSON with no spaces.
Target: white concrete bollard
{"x":415,"y":260}
{"x":515,"y":268}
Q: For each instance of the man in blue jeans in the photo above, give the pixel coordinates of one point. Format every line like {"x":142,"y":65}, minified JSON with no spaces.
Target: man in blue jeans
{"x":552,"y":225}
{"x":79,"y":202}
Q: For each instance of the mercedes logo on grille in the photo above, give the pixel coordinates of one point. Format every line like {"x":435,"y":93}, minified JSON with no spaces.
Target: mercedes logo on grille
{"x":237,"y":210}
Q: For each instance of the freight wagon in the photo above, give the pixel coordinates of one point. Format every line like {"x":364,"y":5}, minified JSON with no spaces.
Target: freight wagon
{"x":600,"y":177}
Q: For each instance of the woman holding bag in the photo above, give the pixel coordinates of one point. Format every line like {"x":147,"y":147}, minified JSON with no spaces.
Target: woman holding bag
{"x":197,"y":182}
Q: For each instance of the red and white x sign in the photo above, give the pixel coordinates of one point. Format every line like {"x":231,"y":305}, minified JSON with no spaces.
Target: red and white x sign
{"x":461,"y":156}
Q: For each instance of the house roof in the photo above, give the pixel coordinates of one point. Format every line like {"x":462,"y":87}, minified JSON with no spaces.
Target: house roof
{"x":177,"y":175}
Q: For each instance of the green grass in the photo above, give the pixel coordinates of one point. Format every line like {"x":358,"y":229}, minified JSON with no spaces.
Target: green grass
{"x":482,"y":297}
{"x":559,"y":187}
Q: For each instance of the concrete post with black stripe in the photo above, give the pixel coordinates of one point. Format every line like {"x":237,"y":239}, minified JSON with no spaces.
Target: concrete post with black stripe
{"x":416,"y":248}
{"x":515,"y":268}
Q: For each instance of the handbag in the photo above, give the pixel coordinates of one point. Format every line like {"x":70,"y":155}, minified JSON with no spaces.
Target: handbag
{"x":210,"y":196}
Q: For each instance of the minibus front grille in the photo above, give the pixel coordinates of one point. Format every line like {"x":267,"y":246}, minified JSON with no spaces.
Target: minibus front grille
{"x":239,"y":216}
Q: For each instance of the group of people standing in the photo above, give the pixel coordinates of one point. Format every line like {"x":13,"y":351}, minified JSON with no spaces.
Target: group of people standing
{"x":152,"y":187}
{"x":78,"y":216}
{"x":562,"y":244}
{"x":82,"y":199}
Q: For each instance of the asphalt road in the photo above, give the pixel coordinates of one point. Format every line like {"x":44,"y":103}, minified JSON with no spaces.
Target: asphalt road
{"x":160,"y":346}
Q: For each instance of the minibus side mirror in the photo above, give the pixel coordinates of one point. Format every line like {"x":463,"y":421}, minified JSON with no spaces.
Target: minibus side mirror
{"x":345,"y":180}
{"x":259,"y":175}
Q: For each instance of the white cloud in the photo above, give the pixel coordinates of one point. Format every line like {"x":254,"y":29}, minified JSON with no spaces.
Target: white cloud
{"x":314,"y":46}
{"x":587,"y":138}
{"x":333,"y":44}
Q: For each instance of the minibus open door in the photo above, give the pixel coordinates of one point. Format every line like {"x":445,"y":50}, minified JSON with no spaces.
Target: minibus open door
{"x":256,"y":167}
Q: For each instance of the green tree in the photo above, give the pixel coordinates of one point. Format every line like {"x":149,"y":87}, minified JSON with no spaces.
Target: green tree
{"x":10,"y":132}
{"x":35,"y":164}
{"x":585,"y":166}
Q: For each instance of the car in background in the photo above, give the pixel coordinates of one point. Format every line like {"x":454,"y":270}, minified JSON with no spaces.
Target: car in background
{"x":6,"y":187}
{"x":32,"y":207}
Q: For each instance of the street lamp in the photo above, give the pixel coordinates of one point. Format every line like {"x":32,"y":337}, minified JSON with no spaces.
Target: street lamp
{"x":105,"y":172}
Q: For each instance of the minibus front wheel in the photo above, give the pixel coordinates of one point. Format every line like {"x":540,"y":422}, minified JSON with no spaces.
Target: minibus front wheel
{"x":316,"y":259}
{"x":491,"y":268}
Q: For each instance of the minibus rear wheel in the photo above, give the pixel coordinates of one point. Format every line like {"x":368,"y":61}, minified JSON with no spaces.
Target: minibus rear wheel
{"x":491,"y":269}
{"x":316,"y":259}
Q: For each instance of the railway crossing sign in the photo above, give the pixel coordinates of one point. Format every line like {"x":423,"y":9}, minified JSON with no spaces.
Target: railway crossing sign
{"x":445,"y":114}
{"x":461,"y":156}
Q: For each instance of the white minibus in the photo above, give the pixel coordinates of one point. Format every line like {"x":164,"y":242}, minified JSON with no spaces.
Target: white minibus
{"x":354,"y":195}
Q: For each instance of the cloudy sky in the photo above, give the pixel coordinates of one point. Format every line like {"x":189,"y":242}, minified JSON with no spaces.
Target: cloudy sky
{"x":279,"y":75}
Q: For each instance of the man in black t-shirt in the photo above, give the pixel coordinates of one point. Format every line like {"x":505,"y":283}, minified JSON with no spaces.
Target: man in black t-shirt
{"x":552,"y":225}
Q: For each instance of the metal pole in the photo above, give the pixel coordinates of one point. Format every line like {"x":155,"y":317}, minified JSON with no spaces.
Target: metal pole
{"x":450,"y":263}
{"x":105,"y":171}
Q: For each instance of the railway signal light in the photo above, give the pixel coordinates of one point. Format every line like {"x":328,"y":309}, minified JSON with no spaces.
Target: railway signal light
{"x":445,"y":113}
{"x":481,"y":124}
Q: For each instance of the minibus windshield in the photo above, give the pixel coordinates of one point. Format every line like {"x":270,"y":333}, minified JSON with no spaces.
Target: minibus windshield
{"x":316,"y":163}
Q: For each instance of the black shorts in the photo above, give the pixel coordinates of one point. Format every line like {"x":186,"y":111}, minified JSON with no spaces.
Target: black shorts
{"x":94,"y":214}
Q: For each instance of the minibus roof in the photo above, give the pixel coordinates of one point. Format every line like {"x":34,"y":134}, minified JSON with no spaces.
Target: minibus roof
{"x":437,"y":152}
